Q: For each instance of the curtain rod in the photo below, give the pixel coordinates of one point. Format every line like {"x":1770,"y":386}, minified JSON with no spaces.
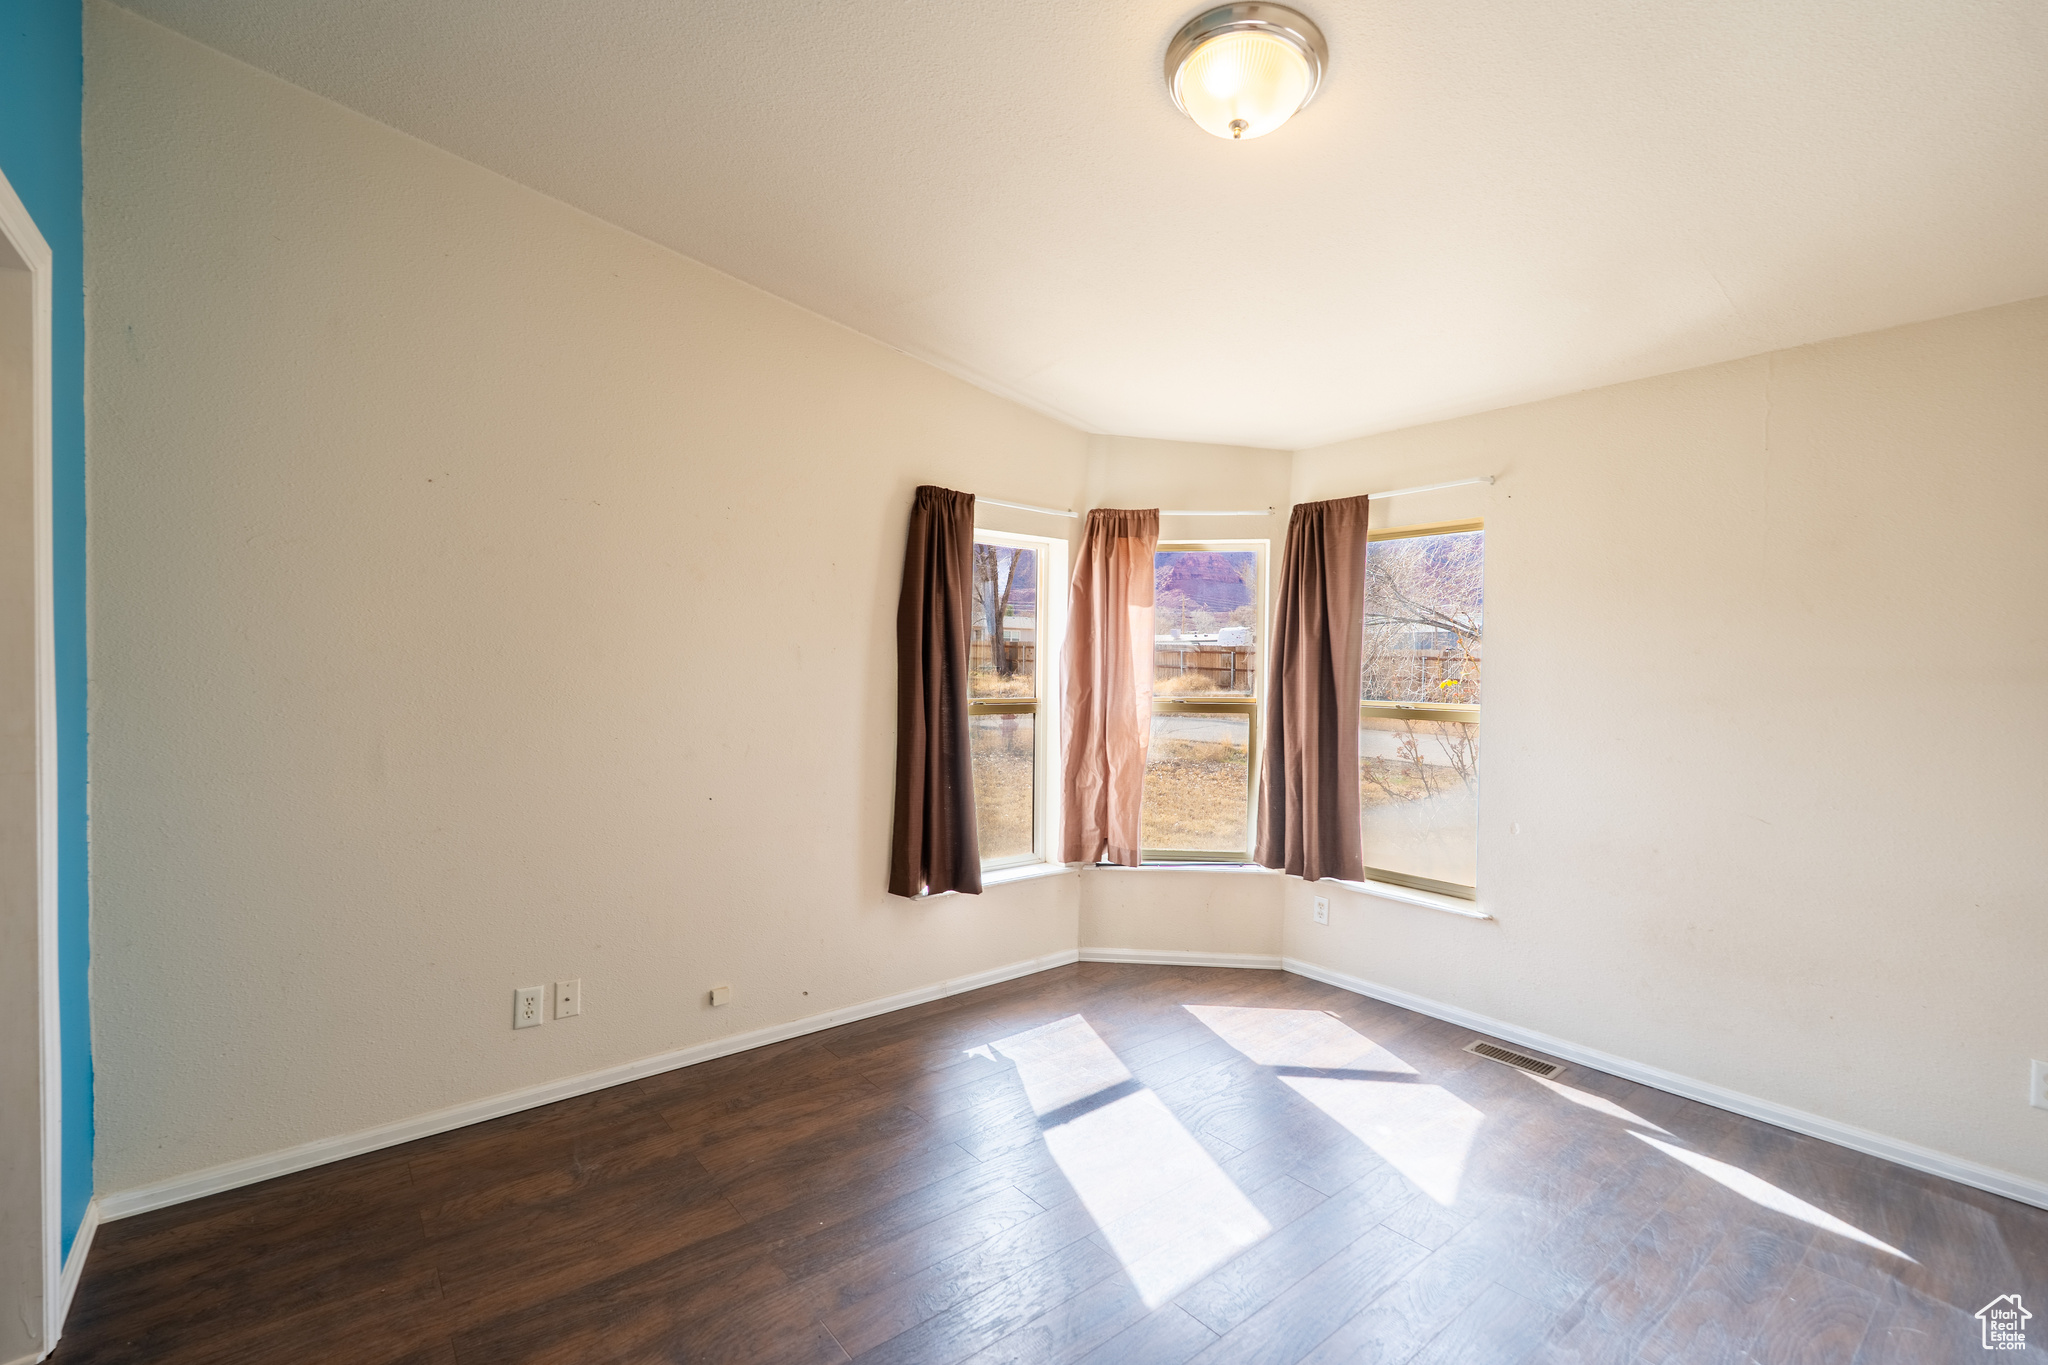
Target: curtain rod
{"x":1026,"y":507}
{"x":1060,"y":512}
{"x":1390,"y":493}
{"x":1431,"y":487}
{"x":1250,"y":512}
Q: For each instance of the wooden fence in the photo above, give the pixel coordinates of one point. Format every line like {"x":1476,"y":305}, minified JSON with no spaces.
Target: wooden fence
{"x":1023,"y":656}
{"x":1230,"y":669}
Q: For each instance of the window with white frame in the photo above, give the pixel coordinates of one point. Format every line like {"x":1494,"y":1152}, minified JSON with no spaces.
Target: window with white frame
{"x":1418,"y":715}
{"x":1011,"y":724}
{"x":1201,"y":772}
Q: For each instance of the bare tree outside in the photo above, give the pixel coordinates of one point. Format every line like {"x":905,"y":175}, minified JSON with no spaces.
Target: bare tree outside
{"x":999,"y":665}
{"x":994,"y":575}
{"x":1175,"y":613}
{"x":1424,"y":637}
{"x":1002,"y":672}
{"x":1425,"y":612}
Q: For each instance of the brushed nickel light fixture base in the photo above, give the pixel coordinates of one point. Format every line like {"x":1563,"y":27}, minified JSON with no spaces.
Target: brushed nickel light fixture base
{"x":1241,"y":70}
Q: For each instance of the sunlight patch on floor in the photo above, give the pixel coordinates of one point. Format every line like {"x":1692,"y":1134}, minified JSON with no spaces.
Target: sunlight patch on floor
{"x":1162,"y":1203}
{"x":1165,"y":1206}
{"x":1423,"y":1131}
{"x":1598,"y":1104}
{"x":1760,"y":1191}
{"x":1304,"y":1038}
{"x":1062,"y":1062}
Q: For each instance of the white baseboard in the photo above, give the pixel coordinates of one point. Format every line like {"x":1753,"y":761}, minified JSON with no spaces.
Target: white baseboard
{"x":74,"y":1264}
{"x":67,"y":1282}
{"x":250,"y":1170}
{"x":1155,"y":957}
{"x":1919,"y":1158}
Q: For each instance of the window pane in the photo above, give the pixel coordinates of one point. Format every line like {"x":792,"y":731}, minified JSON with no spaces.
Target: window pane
{"x":1002,"y":654}
{"x":1206,"y":614}
{"x":1005,"y":756}
{"x":1198,"y":783}
{"x":1424,"y":609}
{"x":1419,"y":798}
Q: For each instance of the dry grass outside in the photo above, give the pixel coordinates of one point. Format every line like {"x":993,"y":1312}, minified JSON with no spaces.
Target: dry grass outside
{"x":1384,"y":781}
{"x":1418,"y":807}
{"x":1196,"y":795}
{"x":1435,"y":759}
{"x":987,"y":683}
{"x":1003,"y":760}
{"x":1172,"y":676}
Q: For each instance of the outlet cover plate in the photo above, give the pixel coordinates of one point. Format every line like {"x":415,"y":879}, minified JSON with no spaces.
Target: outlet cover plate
{"x":1322,"y":909}
{"x":529,"y":1006}
{"x":568,"y":998}
{"x":2037,"y":1089}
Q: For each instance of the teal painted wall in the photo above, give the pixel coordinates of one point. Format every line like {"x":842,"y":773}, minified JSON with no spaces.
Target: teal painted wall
{"x":42,"y":87}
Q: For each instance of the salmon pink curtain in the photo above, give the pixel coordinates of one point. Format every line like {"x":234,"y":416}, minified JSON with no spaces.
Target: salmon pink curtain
{"x":934,"y":847}
{"x":1308,"y":782}
{"x":1108,"y":707}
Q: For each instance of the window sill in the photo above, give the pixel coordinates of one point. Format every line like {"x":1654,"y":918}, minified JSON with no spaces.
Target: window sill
{"x":1182,"y":867}
{"x":1027,"y":872}
{"x":1411,"y":896}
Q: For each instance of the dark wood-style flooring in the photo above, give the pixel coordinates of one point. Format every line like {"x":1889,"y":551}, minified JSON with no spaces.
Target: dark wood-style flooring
{"x":1101,"y":1163}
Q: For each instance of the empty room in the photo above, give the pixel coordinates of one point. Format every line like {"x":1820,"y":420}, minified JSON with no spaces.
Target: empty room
{"x":921,"y":683}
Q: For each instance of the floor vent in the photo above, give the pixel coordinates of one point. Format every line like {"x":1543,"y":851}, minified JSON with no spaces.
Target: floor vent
{"x":1508,"y":1055}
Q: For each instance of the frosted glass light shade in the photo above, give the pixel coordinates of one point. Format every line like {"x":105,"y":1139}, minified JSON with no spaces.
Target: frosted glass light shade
{"x":1243,"y":85}
{"x":1242,"y":70}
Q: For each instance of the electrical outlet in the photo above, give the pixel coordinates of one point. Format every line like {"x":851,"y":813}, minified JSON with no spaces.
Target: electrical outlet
{"x":1322,"y":909}
{"x":568,"y":998}
{"x":529,"y":1006}
{"x":721,"y":995}
{"x":2037,"y":1090}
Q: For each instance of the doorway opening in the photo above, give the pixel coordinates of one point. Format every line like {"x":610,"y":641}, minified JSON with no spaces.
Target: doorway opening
{"x":31,"y":1261}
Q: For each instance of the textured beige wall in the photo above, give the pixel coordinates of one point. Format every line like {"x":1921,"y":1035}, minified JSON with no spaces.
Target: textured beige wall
{"x":1132,"y":471}
{"x":1189,"y":910}
{"x":481,"y":595}
{"x":1182,"y":910}
{"x":442,"y":643}
{"x":1767,"y":695}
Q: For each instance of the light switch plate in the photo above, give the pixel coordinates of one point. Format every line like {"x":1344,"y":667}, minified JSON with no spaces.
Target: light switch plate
{"x":568,"y":998}
{"x":529,"y":1006}
{"x":1322,"y":909}
{"x":2037,"y":1088}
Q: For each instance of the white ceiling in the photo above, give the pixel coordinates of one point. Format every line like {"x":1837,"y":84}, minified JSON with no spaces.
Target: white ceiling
{"x":1490,"y":201}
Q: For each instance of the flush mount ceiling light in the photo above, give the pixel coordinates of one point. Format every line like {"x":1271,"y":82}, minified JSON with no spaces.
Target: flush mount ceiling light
{"x":1240,"y":71}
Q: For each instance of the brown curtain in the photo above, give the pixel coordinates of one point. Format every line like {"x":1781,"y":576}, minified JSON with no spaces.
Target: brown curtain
{"x":934,"y":847}
{"x":1108,"y":708}
{"x":1308,"y":785}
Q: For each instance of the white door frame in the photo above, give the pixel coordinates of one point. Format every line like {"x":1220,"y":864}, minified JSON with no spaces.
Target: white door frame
{"x":21,"y":233}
